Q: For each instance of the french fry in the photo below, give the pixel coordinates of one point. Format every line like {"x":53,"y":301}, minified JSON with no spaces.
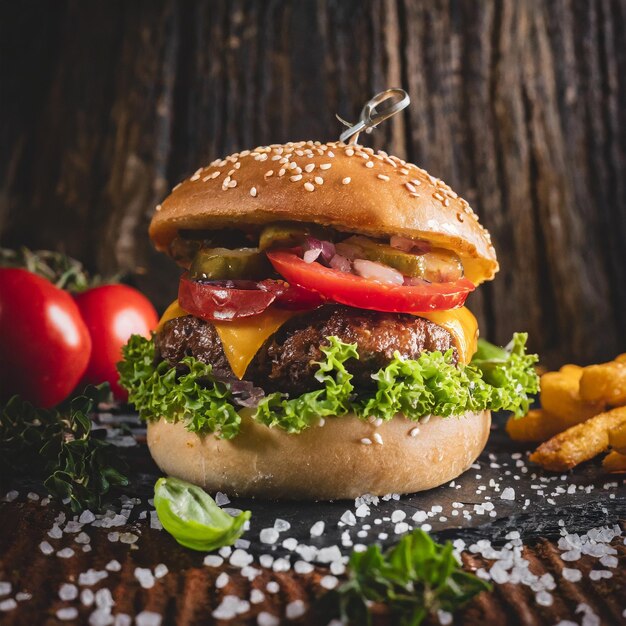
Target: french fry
{"x":605,"y":382}
{"x":614,"y":462}
{"x":537,"y":425}
{"x":560,"y":397}
{"x":617,"y":438}
{"x":578,"y":443}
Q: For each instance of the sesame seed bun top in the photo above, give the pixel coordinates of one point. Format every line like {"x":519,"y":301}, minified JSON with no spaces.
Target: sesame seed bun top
{"x":349,"y":187}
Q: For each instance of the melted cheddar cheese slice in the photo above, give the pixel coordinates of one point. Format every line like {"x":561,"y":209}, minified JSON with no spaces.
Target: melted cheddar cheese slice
{"x":242,"y":338}
{"x":463,"y":327}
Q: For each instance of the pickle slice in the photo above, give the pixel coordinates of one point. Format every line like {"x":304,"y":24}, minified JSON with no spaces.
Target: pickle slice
{"x":406,"y":263}
{"x":437,"y":265}
{"x":282,"y":235}
{"x":226,"y":264}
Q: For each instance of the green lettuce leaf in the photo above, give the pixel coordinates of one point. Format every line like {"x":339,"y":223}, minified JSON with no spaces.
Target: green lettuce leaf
{"x":294,"y":415}
{"x":193,"y":518}
{"x":193,"y":397}
{"x":496,"y":379}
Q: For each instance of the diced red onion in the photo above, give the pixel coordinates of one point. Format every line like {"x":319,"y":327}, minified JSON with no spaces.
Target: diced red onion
{"x":340,"y":263}
{"x":313,"y":248}
{"x":409,"y":245}
{"x":378,"y":272}
{"x":311,"y":255}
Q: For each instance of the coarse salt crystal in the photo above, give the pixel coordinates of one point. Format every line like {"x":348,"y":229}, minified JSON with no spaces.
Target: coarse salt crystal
{"x":268,"y":535}
{"x":67,"y":613}
{"x":317,"y":530}
{"x":295,"y":609}
{"x":348,"y":518}
{"x":302,"y":567}
{"x":5,"y":588}
{"x":66,"y":553}
{"x":571,"y":574}
{"x":329,"y":582}
{"x":272,"y":586}
{"x":267,"y":619}
{"x":145,"y":577}
{"x":148,"y":618}
{"x":8,"y":605}
{"x":240,"y":558}
{"x":508,"y":494}
{"x":256,"y":596}
{"x":222,"y":580}
{"x":161,"y":570}
{"x":68,"y":592}
{"x":113,"y":566}
{"x":212,"y":560}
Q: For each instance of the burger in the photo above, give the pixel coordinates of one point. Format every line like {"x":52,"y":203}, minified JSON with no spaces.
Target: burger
{"x":319,"y":347}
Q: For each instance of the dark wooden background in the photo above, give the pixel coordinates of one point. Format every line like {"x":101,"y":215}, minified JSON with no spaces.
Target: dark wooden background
{"x":520,"y":105}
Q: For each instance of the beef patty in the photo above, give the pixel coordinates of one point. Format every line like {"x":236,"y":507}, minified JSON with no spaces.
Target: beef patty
{"x":286,"y":362}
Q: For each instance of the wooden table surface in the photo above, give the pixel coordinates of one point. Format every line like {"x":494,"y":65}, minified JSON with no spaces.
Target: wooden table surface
{"x":544,"y":507}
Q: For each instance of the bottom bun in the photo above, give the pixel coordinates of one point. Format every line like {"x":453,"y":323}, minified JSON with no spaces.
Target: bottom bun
{"x":323,"y":463}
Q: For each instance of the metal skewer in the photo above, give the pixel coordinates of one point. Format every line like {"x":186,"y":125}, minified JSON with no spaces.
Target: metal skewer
{"x":373,"y":114}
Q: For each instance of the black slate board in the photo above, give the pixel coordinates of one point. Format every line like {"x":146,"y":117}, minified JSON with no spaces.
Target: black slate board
{"x":539,"y":508}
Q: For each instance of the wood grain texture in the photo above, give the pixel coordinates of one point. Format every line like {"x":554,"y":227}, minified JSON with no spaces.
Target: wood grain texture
{"x":519,"y":106}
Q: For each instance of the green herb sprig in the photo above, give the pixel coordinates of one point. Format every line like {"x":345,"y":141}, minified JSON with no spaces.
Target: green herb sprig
{"x":60,"y":447}
{"x":415,"y":578}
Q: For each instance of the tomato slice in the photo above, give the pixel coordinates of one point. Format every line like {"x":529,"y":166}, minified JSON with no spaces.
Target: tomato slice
{"x":363,"y":293}
{"x":227,"y":300}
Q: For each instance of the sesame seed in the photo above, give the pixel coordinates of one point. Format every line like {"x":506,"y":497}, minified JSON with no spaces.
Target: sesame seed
{"x":416,"y":182}
{"x":269,"y":173}
{"x":404,"y":171}
{"x":410,"y":187}
{"x":295,"y":178}
{"x":253,"y":192}
{"x":331,"y":154}
{"x":349,"y":152}
{"x":238,"y":165}
{"x":369,"y":164}
{"x":325,"y":166}
{"x":366,"y":442}
{"x":158,"y":207}
{"x":215,"y":174}
{"x":281,"y":172}
{"x":319,"y":180}
{"x":309,"y":168}
{"x":414,"y":432}
{"x":232,"y":183}
{"x":378,"y":439}
{"x":383,"y":177}
{"x":438,"y":196}
{"x":292,"y":165}
{"x":277,"y":157}
{"x":346,"y":180}
{"x":309,"y":186}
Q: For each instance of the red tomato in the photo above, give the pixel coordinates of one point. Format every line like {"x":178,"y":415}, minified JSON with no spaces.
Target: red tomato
{"x":368,"y":294}
{"x":112,"y":314}
{"x":228,"y":300}
{"x":44,"y":343}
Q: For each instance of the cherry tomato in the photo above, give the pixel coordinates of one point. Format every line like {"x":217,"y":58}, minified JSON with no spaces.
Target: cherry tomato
{"x":112,"y":314}
{"x":364,"y":293}
{"x":44,"y":343}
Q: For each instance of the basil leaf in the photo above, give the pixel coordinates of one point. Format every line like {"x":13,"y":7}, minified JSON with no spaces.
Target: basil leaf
{"x":193,"y":518}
